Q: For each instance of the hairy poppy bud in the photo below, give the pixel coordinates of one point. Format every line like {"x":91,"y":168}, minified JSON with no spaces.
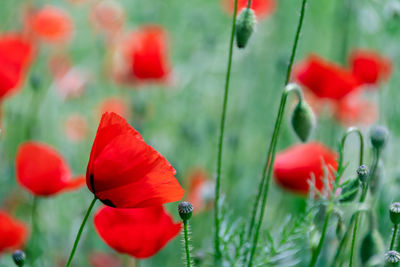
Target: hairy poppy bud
{"x":363,"y":173}
{"x":349,"y":190}
{"x":185,"y":210}
{"x":19,"y":257}
{"x":392,"y":257}
{"x":395,"y":212}
{"x":245,"y":24}
{"x":378,"y":136}
{"x":371,"y":245}
{"x":303,"y":120}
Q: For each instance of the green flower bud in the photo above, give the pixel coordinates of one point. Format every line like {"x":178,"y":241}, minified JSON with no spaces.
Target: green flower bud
{"x":378,"y":136}
{"x":392,"y":258}
{"x":371,"y":245}
{"x":19,"y":257}
{"x":363,"y":173}
{"x":185,"y":210}
{"x":395,"y":212}
{"x":245,"y":25}
{"x":303,"y":120}
{"x":349,"y":190}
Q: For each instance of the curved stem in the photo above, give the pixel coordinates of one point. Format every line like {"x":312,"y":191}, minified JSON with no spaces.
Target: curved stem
{"x":221,"y":140}
{"x":78,"y":236}
{"x":355,"y":130}
{"x":395,"y":229}
{"x":267,"y":171}
{"x":187,"y":248}
{"x":316,"y":252}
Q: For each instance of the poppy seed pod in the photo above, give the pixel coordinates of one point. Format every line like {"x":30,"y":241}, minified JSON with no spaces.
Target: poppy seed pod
{"x":245,"y":25}
{"x":371,"y":245}
{"x":185,"y":210}
{"x":378,"y":136}
{"x":349,"y":190}
{"x":363,"y":173}
{"x":303,"y":120}
{"x":19,"y":257}
{"x":392,"y":257}
{"x":395,"y":212}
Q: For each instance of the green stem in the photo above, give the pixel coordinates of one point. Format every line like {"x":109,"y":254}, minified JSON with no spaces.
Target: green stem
{"x":217,"y":219}
{"x":267,"y":171}
{"x":249,"y":4}
{"x":187,"y":248}
{"x":78,"y":236}
{"x":395,"y":229}
{"x":34,"y":227}
{"x":358,"y":132}
{"x":317,"y":251}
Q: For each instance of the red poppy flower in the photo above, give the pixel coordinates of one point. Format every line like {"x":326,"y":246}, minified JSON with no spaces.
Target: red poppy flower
{"x":325,"y":79}
{"x":200,"y":190}
{"x":295,"y":166}
{"x":369,"y":67}
{"x":13,"y":233}
{"x":262,"y":8}
{"x":140,"y":233}
{"x":51,"y":24}
{"x":15,"y":56}
{"x":42,"y":171}
{"x":355,"y":110}
{"x":125,"y":172}
{"x":102,"y":259}
{"x":107,"y":16}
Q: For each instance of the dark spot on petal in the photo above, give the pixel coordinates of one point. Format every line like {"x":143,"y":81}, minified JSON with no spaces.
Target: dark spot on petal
{"x":108,"y":202}
{"x":91,"y":178}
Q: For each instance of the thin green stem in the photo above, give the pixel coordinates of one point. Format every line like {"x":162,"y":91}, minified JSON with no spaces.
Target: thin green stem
{"x":187,"y":247}
{"x":317,"y":251}
{"x":267,"y":171}
{"x":249,"y":4}
{"x":358,"y":132}
{"x":395,"y":229}
{"x":78,"y":236}
{"x":34,"y":227}
{"x":217,"y":218}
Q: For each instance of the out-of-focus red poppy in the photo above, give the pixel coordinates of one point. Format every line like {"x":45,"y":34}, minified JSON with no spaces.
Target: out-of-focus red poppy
{"x":102,"y":259}
{"x":325,"y":79}
{"x":116,"y":105}
{"x":13,"y":233}
{"x":262,"y":8}
{"x":353,"y":110}
{"x":76,"y":127}
{"x":295,"y":166}
{"x":124,"y":172}
{"x":140,"y":232}
{"x":107,"y":16}
{"x":50,"y":24}
{"x":143,"y":56}
{"x":369,"y":67}
{"x":200,"y":190}
{"x":42,"y":171}
{"x":15,"y":56}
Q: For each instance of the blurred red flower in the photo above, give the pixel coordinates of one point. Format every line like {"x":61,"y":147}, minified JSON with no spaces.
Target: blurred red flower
{"x":262,"y":8}
{"x":369,"y":67}
{"x":50,"y":24}
{"x":325,"y":79}
{"x":76,"y":127}
{"x":200,"y":190}
{"x":13,"y":233}
{"x":143,"y":56}
{"x":140,"y":232}
{"x":295,"y":166}
{"x":116,"y":105}
{"x":107,"y":16}
{"x":102,"y":259}
{"x":124,"y":172}
{"x":42,"y":171}
{"x":15,"y":56}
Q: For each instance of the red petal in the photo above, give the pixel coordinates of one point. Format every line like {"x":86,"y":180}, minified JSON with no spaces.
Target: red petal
{"x":140,"y":233}
{"x":13,"y":233}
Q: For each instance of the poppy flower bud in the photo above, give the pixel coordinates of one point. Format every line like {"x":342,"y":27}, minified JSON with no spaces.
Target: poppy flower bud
{"x":392,"y":258}
{"x":303,"y":120}
{"x":349,"y":190}
{"x":378,"y":136}
{"x":19,"y":257}
{"x":185,"y":210}
{"x":363,"y":173}
{"x":371,"y":245}
{"x":395,"y":212}
{"x":245,"y":25}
